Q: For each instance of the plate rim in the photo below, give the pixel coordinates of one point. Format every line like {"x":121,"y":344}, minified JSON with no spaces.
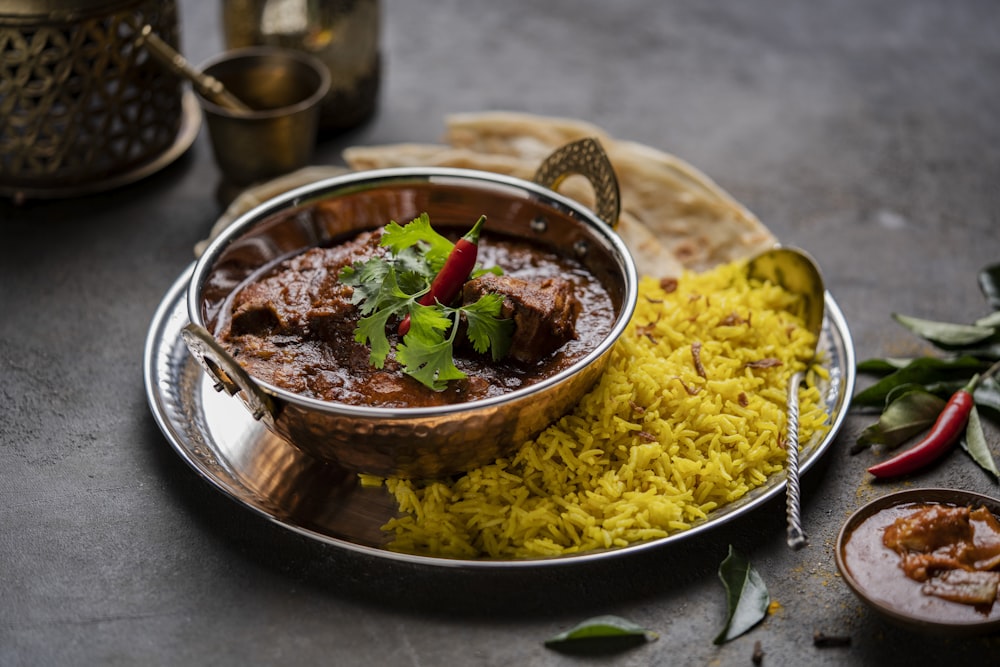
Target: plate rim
{"x":173,"y":307}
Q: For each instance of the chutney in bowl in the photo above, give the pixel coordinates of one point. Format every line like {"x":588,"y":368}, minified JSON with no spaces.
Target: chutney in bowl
{"x":896,"y":553}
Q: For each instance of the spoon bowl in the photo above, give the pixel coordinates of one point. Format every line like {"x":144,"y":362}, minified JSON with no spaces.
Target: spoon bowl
{"x":797,"y":272}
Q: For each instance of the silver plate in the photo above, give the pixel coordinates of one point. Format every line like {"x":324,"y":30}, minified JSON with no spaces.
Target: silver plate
{"x":219,"y":439}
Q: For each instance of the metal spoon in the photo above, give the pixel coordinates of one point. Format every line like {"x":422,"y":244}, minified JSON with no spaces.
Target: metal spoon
{"x":797,"y":272}
{"x":208,"y":86}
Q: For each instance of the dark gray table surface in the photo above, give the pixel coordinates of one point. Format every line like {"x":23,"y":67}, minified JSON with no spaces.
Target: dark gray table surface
{"x":867,"y":133}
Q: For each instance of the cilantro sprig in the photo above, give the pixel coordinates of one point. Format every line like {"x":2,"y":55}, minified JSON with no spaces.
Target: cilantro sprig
{"x":390,"y":287}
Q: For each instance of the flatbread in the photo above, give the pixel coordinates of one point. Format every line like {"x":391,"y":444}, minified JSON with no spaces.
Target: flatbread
{"x":651,"y":256}
{"x":674,"y":217}
{"x":688,"y":212}
{"x":523,"y":135}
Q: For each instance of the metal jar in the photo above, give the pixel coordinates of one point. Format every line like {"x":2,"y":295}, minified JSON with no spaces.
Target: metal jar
{"x":344,"y":34}
{"x":416,"y":442}
{"x":81,"y":107}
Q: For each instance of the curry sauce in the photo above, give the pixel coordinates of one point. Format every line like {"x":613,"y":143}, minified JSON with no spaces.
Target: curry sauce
{"x":292,"y":325}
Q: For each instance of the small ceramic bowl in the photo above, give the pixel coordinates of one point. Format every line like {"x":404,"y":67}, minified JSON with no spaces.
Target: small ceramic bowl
{"x":871,"y":570}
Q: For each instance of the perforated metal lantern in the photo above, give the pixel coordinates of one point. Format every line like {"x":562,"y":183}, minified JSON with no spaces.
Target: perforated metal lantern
{"x":83,"y":108}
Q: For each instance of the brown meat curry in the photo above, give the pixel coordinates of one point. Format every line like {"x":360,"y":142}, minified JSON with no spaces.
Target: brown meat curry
{"x":292,"y":325}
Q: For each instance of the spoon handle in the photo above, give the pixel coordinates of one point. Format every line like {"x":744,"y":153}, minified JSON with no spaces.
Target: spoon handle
{"x":796,"y":536}
{"x":208,"y":86}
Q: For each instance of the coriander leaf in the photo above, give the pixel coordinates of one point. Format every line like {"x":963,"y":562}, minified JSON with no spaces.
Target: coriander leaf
{"x":946,"y":333}
{"x":371,"y":330}
{"x":989,"y":283}
{"x":377,"y":309}
{"x":907,"y":415}
{"x":418,"y":231}
{"x":429,"y":364}
{"x":411,"y":261}
{"x":747,"y":598}
{"x":974,"y":444}
{"x":414,"y":285}
{"x":479,"y":271}
{"x":486,"y":330}
{"x":601,"y":634}
{"x":428,"y":324}
{"x":366,"y":278}
{"x":923,"y":370}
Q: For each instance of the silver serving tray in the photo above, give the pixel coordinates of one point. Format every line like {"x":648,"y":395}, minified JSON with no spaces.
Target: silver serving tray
{"x":219,"y":439}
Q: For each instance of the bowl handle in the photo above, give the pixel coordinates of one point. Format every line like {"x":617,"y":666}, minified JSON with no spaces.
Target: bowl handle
{"x":587,"y":158}
{"x":229,"y":376}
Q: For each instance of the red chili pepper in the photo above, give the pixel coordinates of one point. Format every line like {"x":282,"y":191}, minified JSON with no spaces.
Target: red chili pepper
{"x":944,"y":433}
{"x":946,"y":430}
{"x":457,"y":267}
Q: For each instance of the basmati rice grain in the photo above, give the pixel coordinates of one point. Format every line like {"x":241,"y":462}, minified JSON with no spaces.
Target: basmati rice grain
{"x":688,"y":417}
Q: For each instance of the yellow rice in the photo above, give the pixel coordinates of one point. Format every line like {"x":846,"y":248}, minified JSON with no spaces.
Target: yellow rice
{"x":653,"y":448}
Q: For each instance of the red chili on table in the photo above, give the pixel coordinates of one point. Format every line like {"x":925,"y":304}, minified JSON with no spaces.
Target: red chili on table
{"x":945,"y":432}
{"x":457,"y":267}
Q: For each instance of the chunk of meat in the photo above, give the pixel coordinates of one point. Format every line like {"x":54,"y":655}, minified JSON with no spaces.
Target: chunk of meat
{"x":976,"y":587}
{"x":929,"y":528}
{"x":985,"y":552}
{"x":304,"y":295}
{"x":956,"y":550}
{"x":544,"y":312}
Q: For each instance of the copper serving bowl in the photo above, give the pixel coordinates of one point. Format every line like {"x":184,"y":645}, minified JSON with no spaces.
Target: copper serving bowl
{"x":432,"y":441}
{"x":871,"y":569}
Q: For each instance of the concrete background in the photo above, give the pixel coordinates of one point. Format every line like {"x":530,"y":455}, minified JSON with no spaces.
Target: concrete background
{"x":867,"y":133}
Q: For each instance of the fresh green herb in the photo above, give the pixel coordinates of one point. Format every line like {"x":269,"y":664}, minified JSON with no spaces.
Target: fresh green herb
{"x":906,"y":415}
{"x":911,"y":393}
{"x":974,"y":444}
{"x":390,"y":288}
{"x":601,"y":634}
{"x":944,"y":333}
{"x":747,"y":598}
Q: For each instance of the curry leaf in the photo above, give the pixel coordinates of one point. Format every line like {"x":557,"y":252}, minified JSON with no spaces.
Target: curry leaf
{"x":974,"y":443}
{"x":991,"y":320}
{"x":989,"y":283}
{"x":884,"y":365}
{"x":909,"y":413}
{"x":987,"y":394}
{"x":923,"y":371}
{"x":601,"y":634}
{"x":946,"y":333}
{"x":747,"y":598}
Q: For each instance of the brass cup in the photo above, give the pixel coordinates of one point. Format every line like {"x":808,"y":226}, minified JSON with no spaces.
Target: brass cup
{"x":284,"y":88}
